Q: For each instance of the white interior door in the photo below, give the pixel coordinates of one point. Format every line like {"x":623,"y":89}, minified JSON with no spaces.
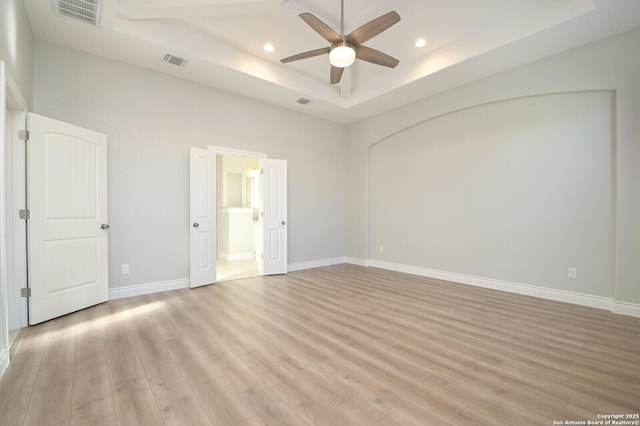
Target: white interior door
{"x":274,"y":186}
{"x":67,"y":201}
{"x":202,"y":215}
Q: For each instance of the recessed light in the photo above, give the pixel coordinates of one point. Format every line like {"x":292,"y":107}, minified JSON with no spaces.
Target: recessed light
{"x":269,"y":48}
{"x":421,"y":42}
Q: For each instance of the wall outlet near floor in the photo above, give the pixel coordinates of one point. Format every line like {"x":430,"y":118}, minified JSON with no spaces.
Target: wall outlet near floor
{"x":572,"y":273}
{"x":381,"y":249}
{"x":125,"y":268}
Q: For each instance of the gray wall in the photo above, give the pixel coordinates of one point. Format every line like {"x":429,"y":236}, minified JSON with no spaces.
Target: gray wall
{"x":151,"y":120}
{"x":607,"y":65}
{"x":16,"y":45}
{"x":517,"y":190}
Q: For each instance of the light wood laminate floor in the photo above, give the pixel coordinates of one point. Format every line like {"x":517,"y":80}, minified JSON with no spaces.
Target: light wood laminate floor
{"x":227,"y":270}
{"x":339,"y":345}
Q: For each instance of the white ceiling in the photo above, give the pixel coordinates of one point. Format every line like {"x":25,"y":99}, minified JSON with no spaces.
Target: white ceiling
{"x":223,"y":42}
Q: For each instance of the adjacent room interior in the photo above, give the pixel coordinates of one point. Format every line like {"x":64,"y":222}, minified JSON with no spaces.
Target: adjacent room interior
{"x":211,"y":216}
{"x":239,"y":235}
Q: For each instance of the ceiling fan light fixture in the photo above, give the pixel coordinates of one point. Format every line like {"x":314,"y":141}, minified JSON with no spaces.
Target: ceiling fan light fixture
{"x":342,"y":56}
{"x":420,"y":43}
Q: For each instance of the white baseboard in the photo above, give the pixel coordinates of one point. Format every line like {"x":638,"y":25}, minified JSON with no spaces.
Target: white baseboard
{"x":357,"y":261}
{"x":4,"y":361}
{"x":299,"y":266}
{"x":623,"y":308}
{"x":598,"y":302}
{"x":609,"y":304}
{"x":140,"y":289}
{"x":149,"y":288}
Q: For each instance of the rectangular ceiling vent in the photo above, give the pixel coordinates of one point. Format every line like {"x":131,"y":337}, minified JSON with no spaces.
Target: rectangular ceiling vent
{"x":304,"y":101}
{"x":175,"y":60}
{"x":82,"y":10}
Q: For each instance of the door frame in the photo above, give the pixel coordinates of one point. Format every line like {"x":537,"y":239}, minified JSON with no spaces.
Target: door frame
{"x":16,"y":230}
{"x":12,"y":103}
{"x":222,"y":150}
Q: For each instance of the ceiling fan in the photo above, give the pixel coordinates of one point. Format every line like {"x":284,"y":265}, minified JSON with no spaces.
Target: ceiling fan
{"x":345,"y":49}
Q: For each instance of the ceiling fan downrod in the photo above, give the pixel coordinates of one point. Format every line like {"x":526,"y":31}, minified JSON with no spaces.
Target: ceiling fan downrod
{"x":342,"y":20}
{"x":343,"y":53}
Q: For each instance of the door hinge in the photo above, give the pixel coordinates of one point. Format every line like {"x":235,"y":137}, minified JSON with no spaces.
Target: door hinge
{"x":23,"y":135}
{"x":261,"y":171}
{"x":24,"y":214}
{"x":25,"y":292}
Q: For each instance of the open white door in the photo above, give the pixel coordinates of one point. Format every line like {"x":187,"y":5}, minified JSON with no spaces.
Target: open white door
{"x":274,"y":185}
{"x":202,"y":215}
{"x":67,"y":226}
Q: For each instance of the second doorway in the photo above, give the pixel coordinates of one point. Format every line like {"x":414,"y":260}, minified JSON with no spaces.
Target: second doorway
{"x":239,"y":232}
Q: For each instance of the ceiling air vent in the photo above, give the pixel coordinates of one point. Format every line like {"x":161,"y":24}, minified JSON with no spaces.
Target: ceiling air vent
{"x":82,"y":10}
{"x":304,"y":101}
{"x":175,"y":60}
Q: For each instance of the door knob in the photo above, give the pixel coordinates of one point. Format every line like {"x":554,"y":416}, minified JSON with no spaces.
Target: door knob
{"x":283,"y":223}
{"x":196,"y":224}
{"x":104,"y":226}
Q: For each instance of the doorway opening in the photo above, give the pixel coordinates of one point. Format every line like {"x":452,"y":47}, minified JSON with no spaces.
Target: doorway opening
{"x":239,"y":230}
{"x":222,"y":192}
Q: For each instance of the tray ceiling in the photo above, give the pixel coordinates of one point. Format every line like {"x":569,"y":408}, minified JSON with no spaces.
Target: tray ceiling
{"x":223,"y":43}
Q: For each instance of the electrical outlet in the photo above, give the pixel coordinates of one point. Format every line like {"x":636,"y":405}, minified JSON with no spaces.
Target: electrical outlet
{"x":125,"y":268}
{"x":572,"y":273}
{"x":381,"y":249}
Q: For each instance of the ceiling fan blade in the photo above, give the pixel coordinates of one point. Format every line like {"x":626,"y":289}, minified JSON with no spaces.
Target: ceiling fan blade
{"x":321,"y":28}
{"x":373,"y":28}
{"x":376,"y":57}
{"x":305,"y":55}
{"x":336,"y":74}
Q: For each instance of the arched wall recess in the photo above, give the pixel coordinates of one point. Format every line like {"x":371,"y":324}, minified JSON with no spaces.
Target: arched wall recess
{"x":508,"y":193}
